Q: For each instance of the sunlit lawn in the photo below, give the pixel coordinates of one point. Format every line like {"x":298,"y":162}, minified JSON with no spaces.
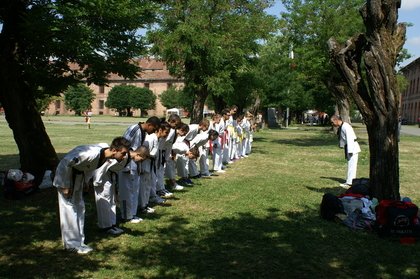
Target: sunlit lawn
{"x":258,"y":220}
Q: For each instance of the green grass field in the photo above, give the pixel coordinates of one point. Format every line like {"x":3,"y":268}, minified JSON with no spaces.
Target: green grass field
{"x":258,"y":220}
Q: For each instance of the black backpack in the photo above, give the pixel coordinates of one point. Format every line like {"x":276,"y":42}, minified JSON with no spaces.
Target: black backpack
{"x":330,"y":206}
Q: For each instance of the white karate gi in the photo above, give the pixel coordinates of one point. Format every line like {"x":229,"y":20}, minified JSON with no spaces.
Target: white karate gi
{"x":73,"y":172}
{"x":104,"y":181}
{"x":348,"y":141}
{"x":147,"y":174}
{"x":218,"y":145}
{"x":129,"y":177}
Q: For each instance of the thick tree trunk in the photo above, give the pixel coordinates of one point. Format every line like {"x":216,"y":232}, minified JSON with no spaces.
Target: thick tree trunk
{"x":35,"y":149}
{"x":367,"y":64}
{"x":384,"y":159}
{"x":198,"y":106}
{"x":342,"y":100}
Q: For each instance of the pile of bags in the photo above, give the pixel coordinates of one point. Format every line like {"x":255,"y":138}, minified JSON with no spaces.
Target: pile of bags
{"x":17,"y":184}
{"x":358,"y":211}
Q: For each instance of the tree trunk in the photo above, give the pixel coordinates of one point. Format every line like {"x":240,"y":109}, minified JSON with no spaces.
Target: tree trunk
{"x":342,"y":99}
{"x":375,"y":90}
{"x":198,"y":106}
{"x":35,"y":149}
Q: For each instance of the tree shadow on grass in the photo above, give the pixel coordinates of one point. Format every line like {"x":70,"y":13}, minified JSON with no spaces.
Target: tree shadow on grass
{"x":273,"y":244}
{"x":31,"y":240}
{"x":290,"y":244}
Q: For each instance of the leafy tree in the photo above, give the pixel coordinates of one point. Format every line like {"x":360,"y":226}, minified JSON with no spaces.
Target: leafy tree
{"x":308,"y":26}
{"x":367,"y":61}
{"x":78,"y":98}
{"x":142,"y":98}
{"x":176,"y":98}
{"x":205,"y":42}
{"x":50,"y":44}
{"x":124,"y":98}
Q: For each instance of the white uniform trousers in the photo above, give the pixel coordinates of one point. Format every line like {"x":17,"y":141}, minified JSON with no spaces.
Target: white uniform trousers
{"x":160,"y":178}
{"x":72,"y":216}
{"x":170,"y":171}
{"x":226,"y":150}
{"x":182,"y":165}
{"x":145,"y":188}
{"x":203,"y":160}
{"x":217,"y":155}
{"x":244,"y":148}
{"x":352,"y":168}
{"x":192,"y":168}
{"x":129,"y":186}
{"x":105,"y":204}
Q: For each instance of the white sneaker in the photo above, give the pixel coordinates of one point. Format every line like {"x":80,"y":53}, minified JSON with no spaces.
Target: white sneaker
{"x":221,"y":171}
{"x":84,"y":249}
{"x":178,"y":187}
{"x":166,"y":194}
{"x":148,"y":210}
{"x":345,"y":185}
{"x":135,"y":220}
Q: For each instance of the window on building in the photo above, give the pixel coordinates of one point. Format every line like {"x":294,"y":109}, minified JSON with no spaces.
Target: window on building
{"x":101,"y":89}
{"x":57,"y":104}
{"x":101,"y":104}
{"x":147,"y":85}
{"x":169,"y":85}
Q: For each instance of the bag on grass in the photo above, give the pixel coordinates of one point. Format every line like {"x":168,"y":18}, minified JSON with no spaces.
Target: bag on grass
{"x":397,"y":218}
{"x":359,"y":220}
{"x":330,"y":206}
{"x":359,"y":186}
{"x":17,"y":184}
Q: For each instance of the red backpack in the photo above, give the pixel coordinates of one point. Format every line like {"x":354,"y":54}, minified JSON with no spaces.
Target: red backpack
{"x":397,"y":218}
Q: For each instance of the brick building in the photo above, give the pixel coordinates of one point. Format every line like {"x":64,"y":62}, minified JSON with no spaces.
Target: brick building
{"x":154,"y":75}
{"x":410,"y":98}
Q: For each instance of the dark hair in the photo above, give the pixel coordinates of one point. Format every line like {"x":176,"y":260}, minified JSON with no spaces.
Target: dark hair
{"x":213,"y":134}
{"x":174,"y":118}
{"x":143,"y":151}
{"x":165,"y":126}
{"x":119,"y":143}
{"x":184,"y":127}
{"x":336,"y":117}
{"x":225,"y":111}
{"x":195,"y":152}
{"x":155,"y":121}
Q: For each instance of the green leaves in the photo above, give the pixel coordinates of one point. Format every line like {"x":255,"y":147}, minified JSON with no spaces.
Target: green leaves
{"x":123,"y":98}
{"x":78,"y":98}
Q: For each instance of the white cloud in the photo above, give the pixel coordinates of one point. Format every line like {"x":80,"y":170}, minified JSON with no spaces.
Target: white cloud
{"x":410,"y":4}
{"x":415,"y":41}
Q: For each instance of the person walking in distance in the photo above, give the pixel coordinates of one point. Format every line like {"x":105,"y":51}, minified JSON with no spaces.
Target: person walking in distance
{"x":348,"y":141}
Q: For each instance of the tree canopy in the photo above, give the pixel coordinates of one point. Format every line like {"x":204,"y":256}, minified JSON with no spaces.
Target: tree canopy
{"x":78,"y":98}
{"x":124,"y":98}
{"x":48,"y":45}
{"x":206,"y":42}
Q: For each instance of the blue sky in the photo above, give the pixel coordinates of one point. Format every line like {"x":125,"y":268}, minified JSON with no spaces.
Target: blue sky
{"x":409,"y":12}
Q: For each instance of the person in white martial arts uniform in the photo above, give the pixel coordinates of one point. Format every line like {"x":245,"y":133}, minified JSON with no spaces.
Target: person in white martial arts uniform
{"x":104,"y":180}
{"x":182,"y":161}
{"x":170,"y":172}
{"x":159,"y":192}
{"x":202,"y":142}
{"x":218,"y":125}
{"x":71,"y":175}
{"x":347,"y":140}
{"x":129,"y":177}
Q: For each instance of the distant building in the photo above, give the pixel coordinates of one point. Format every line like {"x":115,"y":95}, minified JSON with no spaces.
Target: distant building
{"x":154,"y":75}
{"x":410,"y":98}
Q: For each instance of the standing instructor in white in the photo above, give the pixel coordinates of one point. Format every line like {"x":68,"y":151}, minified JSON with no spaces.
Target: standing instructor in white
{"x":348,"y":141}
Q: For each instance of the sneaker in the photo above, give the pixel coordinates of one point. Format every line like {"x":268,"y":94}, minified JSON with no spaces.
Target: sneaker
{"x":118,"y":230}
{"x":231,"y":162}
{"x":84,"y":249}
{"x":185,"y":182}
{"x":165,"y":194}
{"x":178,"y":187}
{"x":157,"y":200}
{"x":196,"y":176}
{"x":345,"y":185}
{"x":221,"y":171}
{"x":206,"y":175}
{"x":135,"y":220}
{"x":148,"y":210}
{"x":114,"y":231}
